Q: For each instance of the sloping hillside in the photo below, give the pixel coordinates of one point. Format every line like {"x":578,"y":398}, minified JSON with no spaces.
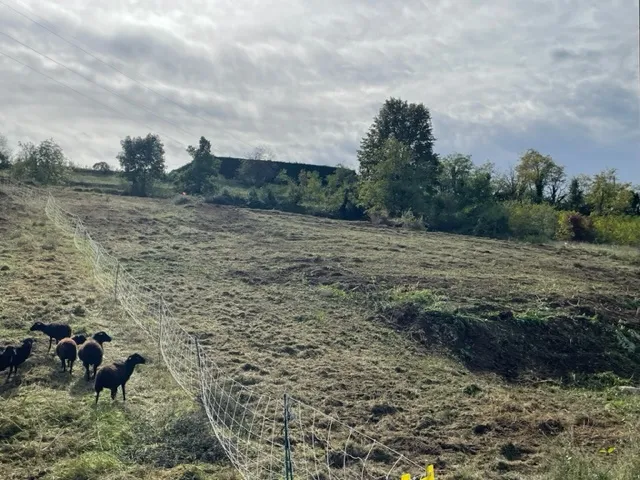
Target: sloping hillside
{"x":485,"y":357}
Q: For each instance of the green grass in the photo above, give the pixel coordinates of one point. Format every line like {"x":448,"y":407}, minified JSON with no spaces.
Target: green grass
{"x":49,"y":427}
{"x":298,"y":298}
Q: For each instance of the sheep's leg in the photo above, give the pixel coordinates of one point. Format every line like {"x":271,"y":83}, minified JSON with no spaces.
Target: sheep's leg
{"x":50,"y":342}
{"x":95,"y":367}
{"x":86,"y":367}
{"x":70,"y":366}
{"x":123,"y":395}
{"x":64,"y":365}
{"x":113,"y":393}
{"x":97,"y":395}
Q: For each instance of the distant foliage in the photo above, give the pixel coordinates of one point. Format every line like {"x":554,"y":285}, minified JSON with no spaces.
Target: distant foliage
{"x":259,"y":168}
{"x":142,"y":159}
{"x":540,"y":178}
{"x":618,"y":229}
{"x":5,"y":153}
{"x":44,"y":164}
{"x":574,"y":226}
{"x":102,"y":167}
{"x":394,"y":183}
{"x":408,"y":124}
{"x":532,"y":222}
{"x":199,"y":178}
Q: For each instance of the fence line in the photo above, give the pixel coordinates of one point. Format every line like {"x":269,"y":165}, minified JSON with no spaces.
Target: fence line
{"x":249,"y":425}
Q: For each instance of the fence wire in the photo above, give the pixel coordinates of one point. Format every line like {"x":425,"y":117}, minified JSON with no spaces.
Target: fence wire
{"x":249,"y":425}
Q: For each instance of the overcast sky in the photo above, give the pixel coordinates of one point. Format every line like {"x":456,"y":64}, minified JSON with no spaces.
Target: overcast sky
{"x":307,"y":77}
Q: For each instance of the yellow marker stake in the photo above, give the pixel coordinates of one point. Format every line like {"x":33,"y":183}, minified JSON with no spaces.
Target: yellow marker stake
{"x":405,"y":476}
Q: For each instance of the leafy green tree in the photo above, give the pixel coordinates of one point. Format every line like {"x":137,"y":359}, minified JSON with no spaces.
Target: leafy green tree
{"x":259,"y":168}
{"x":607,"y":195}
{"x":311,"y":187}
{"x":342,"y":194}
{"x":5,"y":153}
{"x":395,"y":182}
{"x":142,"y":159}
{"x":44,"y":163}
{"x":407,"y":123}
{"x":576,"y":197}
{"x":540,"y":176}
{"x":197,"y":179}
{"x":506,"y":186}
{"x":464,"y":191}
{"x":102,"y":167}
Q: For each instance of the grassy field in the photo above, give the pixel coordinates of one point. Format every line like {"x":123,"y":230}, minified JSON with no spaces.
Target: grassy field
{"x":494,"y":357}
{"x":49,"y":427}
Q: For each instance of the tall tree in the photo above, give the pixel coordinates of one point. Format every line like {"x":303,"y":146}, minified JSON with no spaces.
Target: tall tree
{"x":607,"y":195}
{"x":506,"y":185}
{"x":258,"y":168}
{"x":44,"y":163}
{"x":539,"y":174}
{"x":408,"y":123}
{"x":142,"y":159}
{"x":204,"y":167}
{"x":577,"y":190}
{"x":395,"y":181}
{"x":5,"y":153}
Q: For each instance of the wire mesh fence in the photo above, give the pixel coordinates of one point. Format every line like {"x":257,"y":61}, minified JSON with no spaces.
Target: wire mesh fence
{"x":249,"y":425}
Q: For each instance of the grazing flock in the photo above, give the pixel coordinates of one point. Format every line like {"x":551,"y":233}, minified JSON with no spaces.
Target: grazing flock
{"x":70,"y":348}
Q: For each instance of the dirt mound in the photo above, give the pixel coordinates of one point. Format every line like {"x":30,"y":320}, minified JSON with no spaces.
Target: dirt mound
{"x":559,"y":347}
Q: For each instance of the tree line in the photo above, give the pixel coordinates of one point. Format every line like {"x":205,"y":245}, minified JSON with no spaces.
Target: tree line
{"x":401,"y":181}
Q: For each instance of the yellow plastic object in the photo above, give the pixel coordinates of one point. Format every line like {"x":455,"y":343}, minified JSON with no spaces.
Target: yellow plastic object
{"x":405,"y":476}
{"x":430,"y":473}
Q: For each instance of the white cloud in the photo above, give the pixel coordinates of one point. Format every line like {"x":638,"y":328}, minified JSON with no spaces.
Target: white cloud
{"x":306,"y":77}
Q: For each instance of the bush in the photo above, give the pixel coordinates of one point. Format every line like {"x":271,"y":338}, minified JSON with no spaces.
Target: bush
{"x":225,"y":197}
{"x":617,"y":229}
{"x":575,"y":227}
{"x":531,"y":221}
{"x":411,"y":221}
{"x":43,"y":164}
{"x":253,"y":200}
{"x":492,"y":221}
{"x":181,"y":200}
{"x":268,"y":197}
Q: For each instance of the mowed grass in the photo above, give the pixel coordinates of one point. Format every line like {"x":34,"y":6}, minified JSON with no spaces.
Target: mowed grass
{"x":287,"y":301}
{"x":49,"y":427}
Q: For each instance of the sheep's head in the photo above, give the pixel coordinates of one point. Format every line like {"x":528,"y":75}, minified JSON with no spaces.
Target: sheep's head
{"x":79,"y":339}
{"x":37,"y":327}
{"x":28,"y":341}
{"x":102,"y":337}
{"x":135,"y":359}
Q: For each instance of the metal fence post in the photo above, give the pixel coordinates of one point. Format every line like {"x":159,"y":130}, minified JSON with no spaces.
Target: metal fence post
{"x":115,"y":286}
{"x":288,"y":466}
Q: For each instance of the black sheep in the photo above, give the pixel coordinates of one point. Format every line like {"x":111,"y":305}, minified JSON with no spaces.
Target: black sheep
{"x":20,"y":356}
{"x":115,"y":375}
{"x":6,"y":356}
{"x":52,"y":330}
{"x":91,"y":353}
{"x":67,"y":351}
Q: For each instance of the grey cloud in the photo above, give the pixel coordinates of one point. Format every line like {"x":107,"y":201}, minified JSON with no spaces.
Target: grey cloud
{"x":306,"y":77}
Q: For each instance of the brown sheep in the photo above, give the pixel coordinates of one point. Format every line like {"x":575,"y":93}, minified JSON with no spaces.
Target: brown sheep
{"x":115,"y":375}
{"x":91,"y":353}
{"x":21,"y":353}
{"x":67,"y":351}
{"x":56,"y":331}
